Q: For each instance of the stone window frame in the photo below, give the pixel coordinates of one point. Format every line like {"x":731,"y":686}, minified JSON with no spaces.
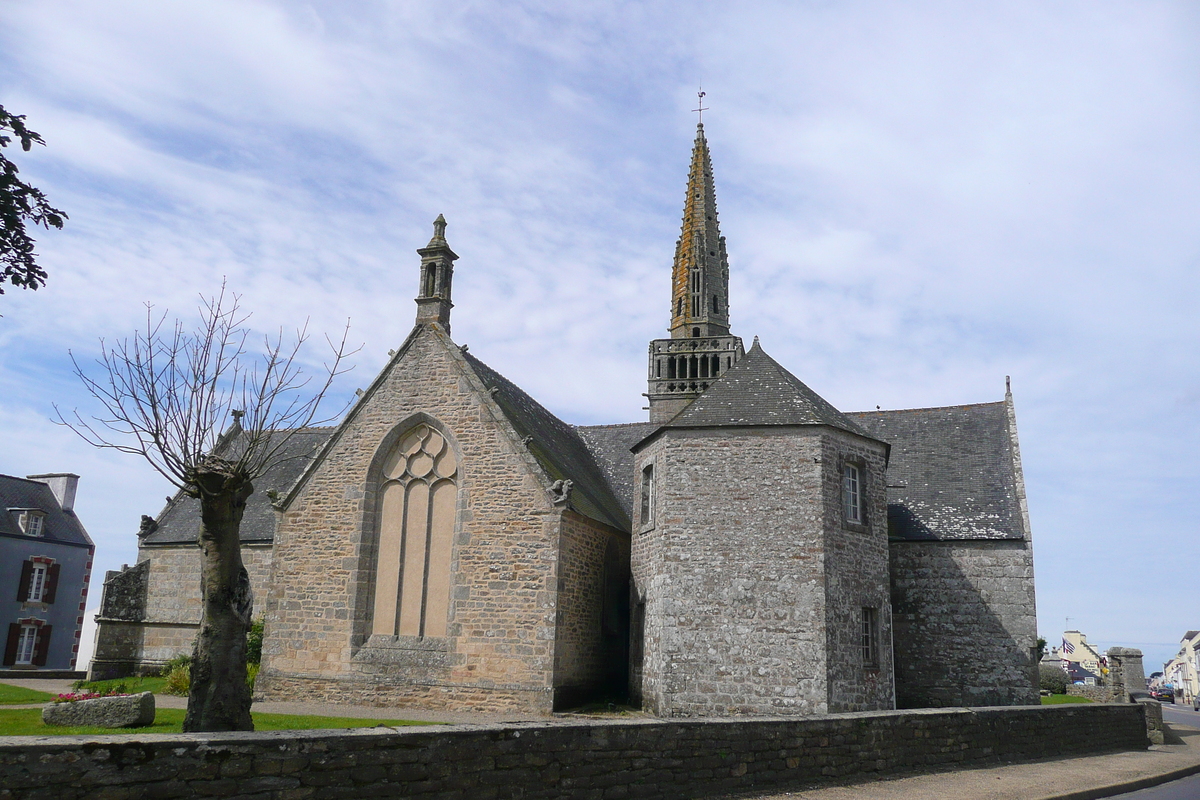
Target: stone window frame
{"x":862,"y":523}
{"x":869,"y":637}
{"x":363,"y":588}
{"x":647,"y":524}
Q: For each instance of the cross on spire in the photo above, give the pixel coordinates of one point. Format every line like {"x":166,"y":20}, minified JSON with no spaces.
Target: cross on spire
{"x":700,"y":109}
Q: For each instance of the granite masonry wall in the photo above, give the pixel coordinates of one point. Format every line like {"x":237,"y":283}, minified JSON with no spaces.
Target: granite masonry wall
{"x":964,"y":623}
{"x":746,"y":569}
{"x":590,"y":647}
{"x":856,"y":576}
{"x":498,"y":653}
{"x":583,"y":761}
{"x":166,"y":580}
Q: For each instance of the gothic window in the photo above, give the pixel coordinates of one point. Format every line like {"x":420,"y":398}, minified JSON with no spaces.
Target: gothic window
{"x":716,"y":305}
{"x":430,"y":280}
{"x":418,"y":490}
{"x":852,"y":493}
{"x":647,"y":517}
{"x":870,"y":637}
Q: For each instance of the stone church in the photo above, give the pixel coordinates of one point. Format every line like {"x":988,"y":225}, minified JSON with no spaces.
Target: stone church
{"x":748,"y":550}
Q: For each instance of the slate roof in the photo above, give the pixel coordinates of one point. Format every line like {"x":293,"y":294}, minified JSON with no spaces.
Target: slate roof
{"x":758,"y":391}
{"x":57,"y":526}
{"x":179,"y":521}
{"x":951,"y":474}
{"x":558,"y":447}
{"x":612,"y":447}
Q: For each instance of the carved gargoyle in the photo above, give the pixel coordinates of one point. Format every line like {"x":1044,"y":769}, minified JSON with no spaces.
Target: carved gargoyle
{"x":147,"y":526}
{"x":560,"y":492}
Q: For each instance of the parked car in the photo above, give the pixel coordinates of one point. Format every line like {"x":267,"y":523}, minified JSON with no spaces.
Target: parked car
{"x":1163,"y":695}
{"x":1196,"y":703}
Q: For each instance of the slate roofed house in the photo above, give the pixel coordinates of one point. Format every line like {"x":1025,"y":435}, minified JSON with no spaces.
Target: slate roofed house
{"x":45,"y":567}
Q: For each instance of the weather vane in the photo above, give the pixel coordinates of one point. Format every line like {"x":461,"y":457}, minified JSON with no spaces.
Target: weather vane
{"x":700,"y":103}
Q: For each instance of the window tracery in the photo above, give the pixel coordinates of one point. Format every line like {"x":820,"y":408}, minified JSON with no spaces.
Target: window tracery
{"x":418,"y":491}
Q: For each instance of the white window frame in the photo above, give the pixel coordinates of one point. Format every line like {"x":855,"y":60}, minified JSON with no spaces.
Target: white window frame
{"x":37,"y":582}
{"x":33,"y":522}
{"x":27,"y":645}
{"x":852,"y":493}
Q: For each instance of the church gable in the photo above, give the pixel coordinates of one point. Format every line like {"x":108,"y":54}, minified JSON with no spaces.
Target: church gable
{"x":357,"y":593}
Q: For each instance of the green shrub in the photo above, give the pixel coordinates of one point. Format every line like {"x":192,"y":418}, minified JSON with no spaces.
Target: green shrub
{"x":181,"y":660}
{"x":179,"y":679}
{"x":254,"y":641}
{"x":251,"y":675}
{"x":1052,"y":679}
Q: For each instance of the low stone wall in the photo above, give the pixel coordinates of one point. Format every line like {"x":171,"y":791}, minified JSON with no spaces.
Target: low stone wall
{"x":621,"y":759}
{"x":1097,"y":694}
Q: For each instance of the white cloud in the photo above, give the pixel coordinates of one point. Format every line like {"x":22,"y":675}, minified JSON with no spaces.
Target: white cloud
{"x":919,"y":199}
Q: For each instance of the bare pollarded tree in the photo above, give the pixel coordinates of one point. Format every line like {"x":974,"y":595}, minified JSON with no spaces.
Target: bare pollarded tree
{"x":166,"y":394}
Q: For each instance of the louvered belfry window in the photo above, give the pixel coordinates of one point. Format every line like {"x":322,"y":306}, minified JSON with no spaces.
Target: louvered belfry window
{"x":418,"y":490}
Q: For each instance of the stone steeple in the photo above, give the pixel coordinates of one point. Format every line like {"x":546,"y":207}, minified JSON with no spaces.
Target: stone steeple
{"x":437,"y":274}
{"x":700,"y":277}
{"x":700,"y":348}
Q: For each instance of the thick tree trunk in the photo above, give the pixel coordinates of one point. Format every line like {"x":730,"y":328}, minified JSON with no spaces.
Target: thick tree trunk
{"x":219,"y":699}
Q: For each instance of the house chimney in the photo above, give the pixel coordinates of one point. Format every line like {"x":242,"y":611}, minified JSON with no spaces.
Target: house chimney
{"x":63,"y":484}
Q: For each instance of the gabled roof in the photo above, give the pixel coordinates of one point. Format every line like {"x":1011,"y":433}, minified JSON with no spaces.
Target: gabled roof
{"x":558,"y":448}
{"x":179,"y":521}
{"x":758,"y":391}
{"x":57,"y":525}
{"x":952,"y":473}
{"x":612,"y":447}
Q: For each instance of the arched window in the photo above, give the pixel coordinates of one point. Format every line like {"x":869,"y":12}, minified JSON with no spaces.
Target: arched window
{"x":716,"y":305}
{"x":418,"y":491}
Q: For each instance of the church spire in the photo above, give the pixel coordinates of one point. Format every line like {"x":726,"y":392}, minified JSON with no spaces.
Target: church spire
{"x":700,"y":348}
{"x":437,"y":274}
{"x":700,"y":276}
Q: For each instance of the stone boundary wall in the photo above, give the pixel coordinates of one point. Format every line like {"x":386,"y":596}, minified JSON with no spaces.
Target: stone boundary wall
{"x":585,"y":759}
{"x":1097,"y":694}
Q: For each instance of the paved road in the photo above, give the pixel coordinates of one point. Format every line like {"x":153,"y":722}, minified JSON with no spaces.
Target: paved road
{"x":1185,"y":789}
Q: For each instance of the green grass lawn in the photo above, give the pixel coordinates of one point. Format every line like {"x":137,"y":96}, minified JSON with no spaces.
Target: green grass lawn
{"x":28,"y":722}
{"x":1059,"y":699}
{"x":127,"y":685}
{"x":11,"y":695}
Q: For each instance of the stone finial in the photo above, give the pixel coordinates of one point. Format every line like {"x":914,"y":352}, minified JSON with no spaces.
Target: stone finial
{"x":439,"y":232}
{"x":436,"y":276}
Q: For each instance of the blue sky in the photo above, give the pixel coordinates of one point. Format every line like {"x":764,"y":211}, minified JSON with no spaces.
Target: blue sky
{"x":919,"y":199}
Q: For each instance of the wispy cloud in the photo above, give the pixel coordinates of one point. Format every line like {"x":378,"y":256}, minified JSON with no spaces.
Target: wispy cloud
{"x":919,"y":199}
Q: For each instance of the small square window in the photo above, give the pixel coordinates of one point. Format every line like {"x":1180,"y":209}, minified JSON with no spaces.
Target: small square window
{"x":33,"y":526}
{"x":852,"y":493}
{"x":870,"y":637}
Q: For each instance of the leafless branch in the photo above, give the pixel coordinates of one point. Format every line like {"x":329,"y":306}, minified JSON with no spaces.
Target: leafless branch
{"x":166,"y":393}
